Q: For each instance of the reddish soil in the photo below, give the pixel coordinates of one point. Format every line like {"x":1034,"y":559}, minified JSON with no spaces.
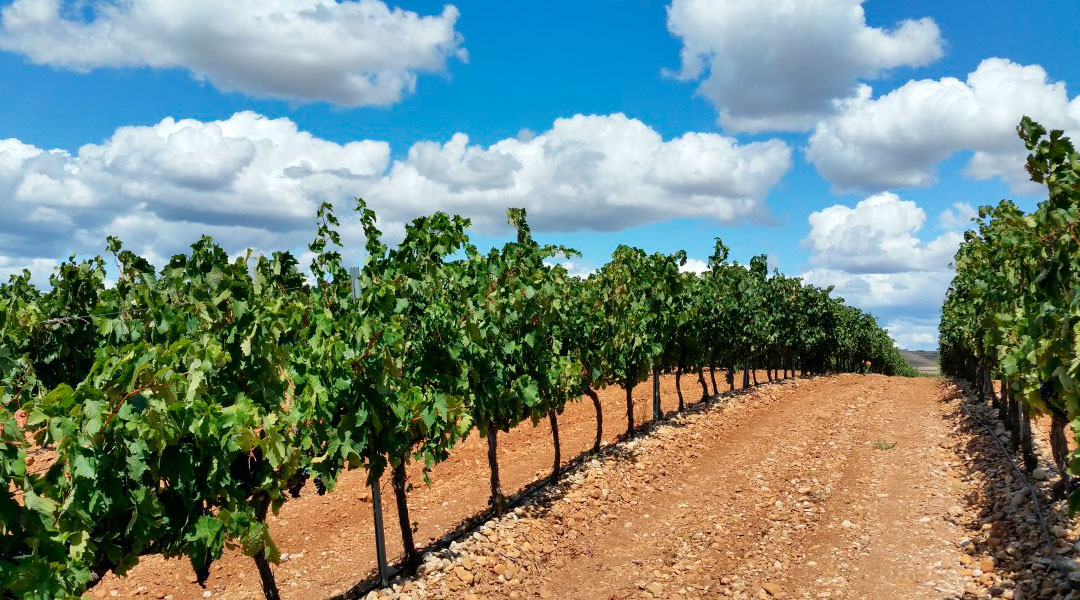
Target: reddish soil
{"x":330,"y":539}
{"x":846,"y":487}
{"x":832,"y":489}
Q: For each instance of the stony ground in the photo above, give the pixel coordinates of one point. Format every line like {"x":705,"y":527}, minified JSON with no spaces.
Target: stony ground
{"x":1006,"y":532}
{"x":844,"y":487}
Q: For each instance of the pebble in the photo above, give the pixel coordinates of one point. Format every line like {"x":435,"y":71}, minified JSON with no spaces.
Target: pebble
{"x":773,"y":589}
{"x":496,"y":561}
{"x":463,"y":574}
{"x":1019,"y":498}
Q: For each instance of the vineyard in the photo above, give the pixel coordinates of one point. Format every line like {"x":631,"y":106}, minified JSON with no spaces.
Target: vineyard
{"x":188,"y":403}
{"x":1012,"y":313}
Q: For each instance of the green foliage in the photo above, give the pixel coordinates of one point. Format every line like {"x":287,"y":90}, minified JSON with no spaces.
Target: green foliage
{"x":185,"y":404}
{"x":629,"y":345}
{"x":1013,"y":307}
{"x":409,"y":295}
{"x":514,"y":310}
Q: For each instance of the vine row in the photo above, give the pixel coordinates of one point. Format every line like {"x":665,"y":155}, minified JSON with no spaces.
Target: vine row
{"x":185,"y":404}
{"x":1012,"y":312}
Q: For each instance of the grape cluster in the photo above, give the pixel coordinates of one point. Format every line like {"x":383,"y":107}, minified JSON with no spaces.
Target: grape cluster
{"x":296,"y":483}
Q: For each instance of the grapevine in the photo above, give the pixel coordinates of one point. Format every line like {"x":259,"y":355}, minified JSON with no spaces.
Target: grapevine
{"x":187,"y":403}
{"x":1012,"y":311}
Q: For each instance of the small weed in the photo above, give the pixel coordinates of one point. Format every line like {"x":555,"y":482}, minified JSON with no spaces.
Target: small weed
{"x":885,"y":445}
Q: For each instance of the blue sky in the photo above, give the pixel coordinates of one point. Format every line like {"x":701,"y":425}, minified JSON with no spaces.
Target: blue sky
{"x":742,"y":120}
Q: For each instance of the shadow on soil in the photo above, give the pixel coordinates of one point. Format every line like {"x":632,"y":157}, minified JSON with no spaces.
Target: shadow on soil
{"x":548,"y":490}
{"x":1008,"y":528}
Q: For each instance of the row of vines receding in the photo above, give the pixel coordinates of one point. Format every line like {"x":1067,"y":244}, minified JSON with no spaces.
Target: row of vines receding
{"x":185,"y":404}
{"x":1012,"y":313}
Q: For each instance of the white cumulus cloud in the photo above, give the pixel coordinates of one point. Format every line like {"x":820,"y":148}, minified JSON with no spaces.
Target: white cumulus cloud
{"x":603,"y":172}
{"x":574,"y":268}
{"x":958,"y":217}
{"x":917,"y":293}
{"x":873,"y":255}
{"x":249,"y":181}
{"x":898,"y":139}
{"x":350,"y":53}
{"x":253,"y":181}
{"x":878,"y":235}
{"x":694,"y":265}
{"x":914,"y":334}
{"x":783,"y":64}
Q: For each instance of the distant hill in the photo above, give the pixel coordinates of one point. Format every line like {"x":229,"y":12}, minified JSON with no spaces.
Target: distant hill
{"x":924,"y":361}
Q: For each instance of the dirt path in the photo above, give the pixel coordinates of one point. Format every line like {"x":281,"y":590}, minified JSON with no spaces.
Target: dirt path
{"x":328,"y":541}
{"x":846,"y":487}
{"x":781,"y":493}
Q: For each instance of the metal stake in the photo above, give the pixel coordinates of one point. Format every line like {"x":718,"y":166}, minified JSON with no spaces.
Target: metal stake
{"x":376,"y":491}
{"x":380,"y":538}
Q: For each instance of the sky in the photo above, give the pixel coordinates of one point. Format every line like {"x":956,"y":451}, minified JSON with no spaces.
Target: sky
{"x":849,"y":141}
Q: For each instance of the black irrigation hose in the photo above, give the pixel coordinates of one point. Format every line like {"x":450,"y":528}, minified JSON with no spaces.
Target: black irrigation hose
{"x":1059,"y":564}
